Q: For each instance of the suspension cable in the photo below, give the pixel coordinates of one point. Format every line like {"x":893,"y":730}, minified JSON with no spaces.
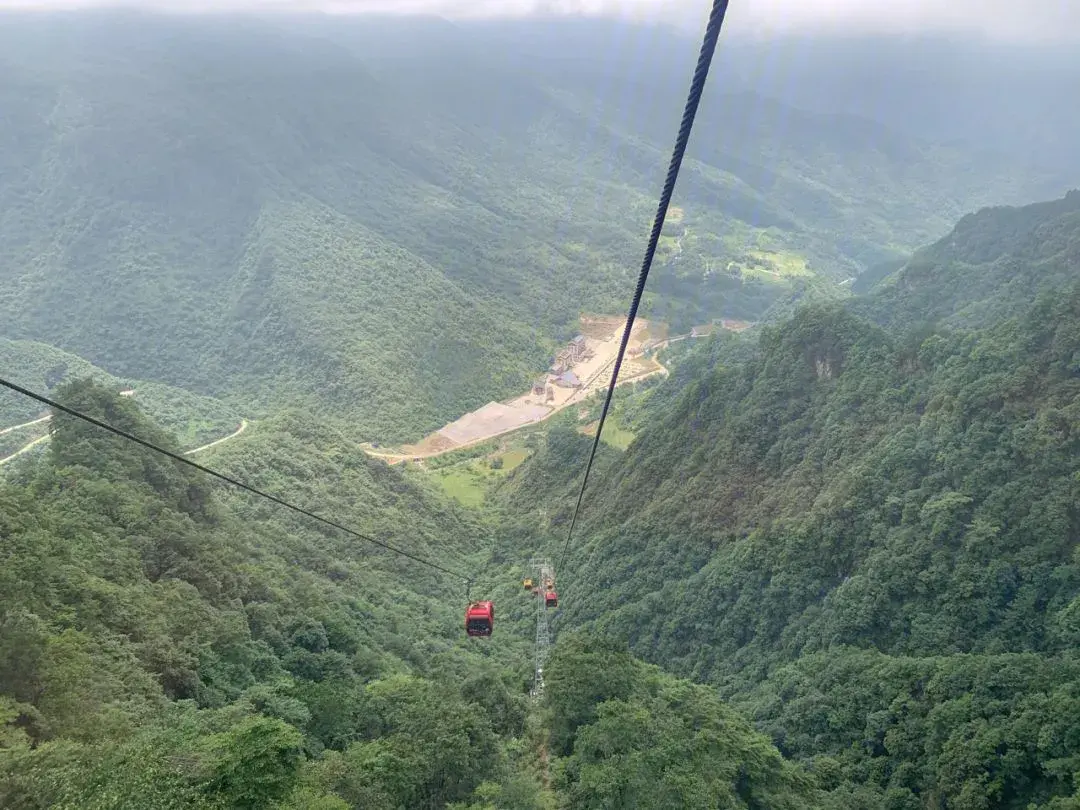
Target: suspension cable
{"x":708,"y":47}
{"x":697,"y":85}
{"x":227,"y":479}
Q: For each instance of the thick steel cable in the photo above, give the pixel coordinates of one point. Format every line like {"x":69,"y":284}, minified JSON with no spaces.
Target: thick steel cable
{"x":697,"y":86}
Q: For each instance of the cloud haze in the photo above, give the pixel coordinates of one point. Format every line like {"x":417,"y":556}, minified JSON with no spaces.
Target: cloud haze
{"x":1027,"y":21}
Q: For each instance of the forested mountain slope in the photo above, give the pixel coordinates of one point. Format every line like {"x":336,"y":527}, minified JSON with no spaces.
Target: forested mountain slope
{"x":858,"y":527}
{"x":194,"y":419}
{"x":866,"y":540}
{"x":167,"y":644}
{"x":281,"y":213}
{"x":627,"y":735}
{"x":992,"y":265}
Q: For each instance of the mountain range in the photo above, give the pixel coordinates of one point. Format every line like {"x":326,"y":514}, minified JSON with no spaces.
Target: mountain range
{"x":272,"y":213}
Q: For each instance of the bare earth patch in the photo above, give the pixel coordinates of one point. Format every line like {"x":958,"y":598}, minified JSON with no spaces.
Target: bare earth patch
{"x":734,"y":325}
{"x":603,"y":334}
{"x":429,"y":445}
{"x":599,"y":327}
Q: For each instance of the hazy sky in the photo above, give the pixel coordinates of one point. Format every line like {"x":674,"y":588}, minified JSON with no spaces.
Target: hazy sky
{"x":1018,"y":20}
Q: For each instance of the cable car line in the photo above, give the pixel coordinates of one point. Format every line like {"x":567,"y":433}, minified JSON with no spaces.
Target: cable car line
{"x":480,"y":615}
{"x":229,"y":480}
{"x":697,"y":86}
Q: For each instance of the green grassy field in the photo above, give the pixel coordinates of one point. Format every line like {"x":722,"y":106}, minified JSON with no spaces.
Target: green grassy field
{"x":463,"y":483}
{"x":613,"y":436}
{"x":468,"y":481}
{"x":783,"y":262}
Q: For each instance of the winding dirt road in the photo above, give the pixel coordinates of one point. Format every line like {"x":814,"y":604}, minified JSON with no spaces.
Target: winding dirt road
{"x":24,"y":449}
{"x":45,"y":418}
{"x":233,"y":435}
{"x":243,"y":426}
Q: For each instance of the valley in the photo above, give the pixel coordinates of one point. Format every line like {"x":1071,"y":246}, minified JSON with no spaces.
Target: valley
{"x":828,"y":556}
{"x":572,"y":383}
{"x":566,"y":383}
{"x":492,"y":199}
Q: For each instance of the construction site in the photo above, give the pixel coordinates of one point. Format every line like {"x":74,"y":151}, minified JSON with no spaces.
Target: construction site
{"x":578,"y":369}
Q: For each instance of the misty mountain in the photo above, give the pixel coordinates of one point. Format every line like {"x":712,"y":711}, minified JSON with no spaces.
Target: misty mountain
{"x":286,"y":211}
{"x":847,"y":534}
{"x":1012,"y":99}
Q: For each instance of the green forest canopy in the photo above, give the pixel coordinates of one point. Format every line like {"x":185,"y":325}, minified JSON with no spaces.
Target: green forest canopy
{"x":863,"y":541}
{"x":864,"y":538}
{"x":848,"y":537}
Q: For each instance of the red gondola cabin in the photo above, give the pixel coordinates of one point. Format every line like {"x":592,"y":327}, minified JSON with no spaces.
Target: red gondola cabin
{"x":551,"y":599}
{"x":480,"y":618}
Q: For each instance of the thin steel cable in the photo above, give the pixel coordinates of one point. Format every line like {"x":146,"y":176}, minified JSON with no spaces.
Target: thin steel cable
{"x":227,"y":479}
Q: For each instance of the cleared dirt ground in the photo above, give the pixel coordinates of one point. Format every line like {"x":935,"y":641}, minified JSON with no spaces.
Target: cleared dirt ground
{"x":602,"y":336}
{"x":603,"y":333}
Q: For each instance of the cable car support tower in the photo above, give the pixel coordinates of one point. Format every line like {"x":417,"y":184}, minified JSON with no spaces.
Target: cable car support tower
{"x":545,"y":580}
